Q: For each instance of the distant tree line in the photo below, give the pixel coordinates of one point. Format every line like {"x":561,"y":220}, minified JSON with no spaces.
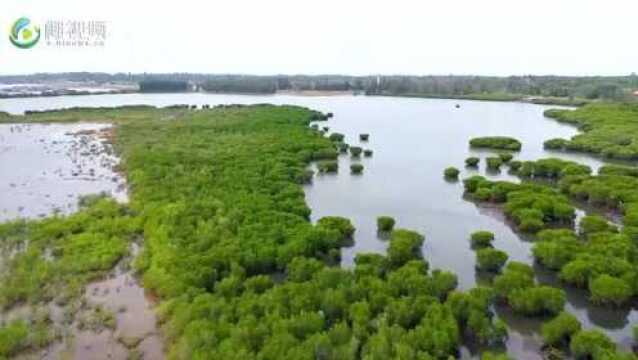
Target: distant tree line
{"x":163,"y":86}
{"x":507,"y":88}
{"x":241,"y":84}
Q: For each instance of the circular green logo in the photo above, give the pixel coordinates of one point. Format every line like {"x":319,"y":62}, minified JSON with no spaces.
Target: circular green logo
{"x":24,"y":34}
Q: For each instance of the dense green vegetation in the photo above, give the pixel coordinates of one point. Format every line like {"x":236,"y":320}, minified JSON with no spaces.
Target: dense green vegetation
{"x":493,"y":162}
{"x":618,"y":170}
{"x":531,"y":206}
{"x":336,"y":137}
{"x":367,"y":152}
{"x":163,"y":86}
{"x":240,"y":84}
{"x":481,"y":238}
{"x":64,"y":253}
{"x":364,"y":137}
{"x":496,"y":142}
{"x":601,"y":261}
{"x":599,"y":257}
{"x":342,"y":147}
{"x":609,"y":130}
{"x":515,"y":165}
{"x":552,"y":168}
{"x":54,"y":260}
{"x":355,"y":151}
{"x":472,"y":161}
{"x":592,"y":344}
{"x":560,"y":329}
{"x":356,"y":168}
{"x":515,"y":286}
{"x":451,"y":173}
{"x":489,"y":259}
{"x":328,"y":166}
{"x":385,"y":223}
{"x":506,"y":157}
{"x":477,"y":323}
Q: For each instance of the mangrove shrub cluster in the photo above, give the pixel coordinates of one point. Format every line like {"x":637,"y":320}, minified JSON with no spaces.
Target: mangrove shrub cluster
{"x":496,"y":142}
{"x":609,"y":130}
{"x":531,"y":206}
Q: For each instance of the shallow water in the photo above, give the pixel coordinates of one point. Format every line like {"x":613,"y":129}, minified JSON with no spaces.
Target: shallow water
{"x":123,"y":295}
{"x":413,"y":141}
{"x":45,"y":168}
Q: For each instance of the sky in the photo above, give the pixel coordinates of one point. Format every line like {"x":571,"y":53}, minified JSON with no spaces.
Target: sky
{"x":416,"y":37}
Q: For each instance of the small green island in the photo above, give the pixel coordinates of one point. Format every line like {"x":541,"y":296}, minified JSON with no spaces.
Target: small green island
{"x":496,"y":142}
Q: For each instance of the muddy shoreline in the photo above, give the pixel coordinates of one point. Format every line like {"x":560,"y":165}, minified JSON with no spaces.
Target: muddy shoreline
{"x":47,"y":169}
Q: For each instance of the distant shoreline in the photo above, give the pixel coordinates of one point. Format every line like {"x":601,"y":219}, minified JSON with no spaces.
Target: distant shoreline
{"x":318,"y":93}
{"x":538,"y":100}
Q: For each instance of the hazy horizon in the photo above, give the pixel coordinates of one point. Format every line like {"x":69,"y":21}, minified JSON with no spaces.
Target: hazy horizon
{"x":313,"y":75}
{"x":502,"y":38}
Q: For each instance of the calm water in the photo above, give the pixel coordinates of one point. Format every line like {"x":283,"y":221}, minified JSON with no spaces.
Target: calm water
{"x":413,"y":141}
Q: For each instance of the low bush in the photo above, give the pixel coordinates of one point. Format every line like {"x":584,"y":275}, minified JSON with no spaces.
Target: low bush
{"x":556,"y":144}
{"x":494,"y":163}
{"x":618,"y":170}
{"x":506,"y":157}
{"x":560,"y":329}
{"x":340,"y":224}
{"x":451,"y":173}
{"x":606,"y":289}
{"x":489,"y":259}
{"x":336,"y":137}
{"x":515,"y":165}
{"x":591,"y":224}
{"x":328,"y":166}
{"x":488,"y":355}
{"x":13,"y":338}
{"x":355,"y":151}
{"x":325,"y":154}
{"x":472,"y":161}
{"x":367,"y":153}
{"x":591,"y":344}
{"x":552,"y":168}
{"x":531,"y":206}
{"x":342,"y":147}
{"x":555,"y":248}
{"x":515,"y":277}
{"x":364,"y":137}
{"x":482,"y":238}
{"x":537,"y":300}
{"x":385,"y":223}
{"x":356,"y":168}
{"x":496,"y":142}
{"x":405,"y":245}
